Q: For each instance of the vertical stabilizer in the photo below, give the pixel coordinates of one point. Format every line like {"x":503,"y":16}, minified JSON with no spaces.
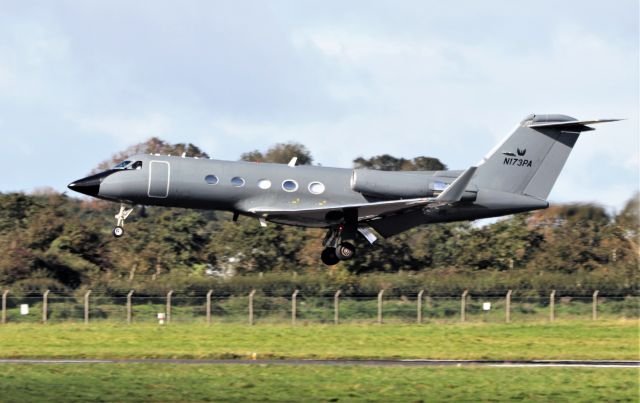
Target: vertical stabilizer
{"x":530,"y":159}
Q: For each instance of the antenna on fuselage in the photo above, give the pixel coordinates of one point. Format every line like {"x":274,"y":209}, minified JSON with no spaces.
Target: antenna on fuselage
{"x":293,"y":161}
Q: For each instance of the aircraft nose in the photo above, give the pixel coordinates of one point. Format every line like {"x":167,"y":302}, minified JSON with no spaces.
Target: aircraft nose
{"x":89,"y":185}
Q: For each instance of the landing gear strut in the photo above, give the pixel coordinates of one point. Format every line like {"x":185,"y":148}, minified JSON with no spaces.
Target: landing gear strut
{"x":122,"y":215}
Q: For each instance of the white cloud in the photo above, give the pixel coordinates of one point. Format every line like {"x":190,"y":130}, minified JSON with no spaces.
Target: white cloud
{"x":126,"y":129}
{"x":408,"y":79}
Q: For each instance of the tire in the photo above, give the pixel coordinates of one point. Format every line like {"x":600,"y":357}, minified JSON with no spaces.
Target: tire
{"x":118,"y":232}
{"x":329,"y":257}
{"x":345,"y":251}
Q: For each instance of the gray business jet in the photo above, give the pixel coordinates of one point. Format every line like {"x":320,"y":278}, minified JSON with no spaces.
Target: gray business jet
{"x":516,"y":176}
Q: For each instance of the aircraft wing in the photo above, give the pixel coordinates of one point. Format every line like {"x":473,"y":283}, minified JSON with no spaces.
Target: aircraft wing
{"x":329,"y":214}
{"x":322,"y":216}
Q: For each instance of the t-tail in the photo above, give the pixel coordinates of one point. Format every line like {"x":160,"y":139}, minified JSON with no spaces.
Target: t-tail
{"x":530,"y":159}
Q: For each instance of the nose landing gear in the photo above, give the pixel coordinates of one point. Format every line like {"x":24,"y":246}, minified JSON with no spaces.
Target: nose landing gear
{"x":122,"y":215}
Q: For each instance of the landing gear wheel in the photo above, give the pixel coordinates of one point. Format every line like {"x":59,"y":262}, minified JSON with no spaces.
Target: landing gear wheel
{"x":329,"y":257}
{"x":118,"y":232}
{"x":345,"y":251}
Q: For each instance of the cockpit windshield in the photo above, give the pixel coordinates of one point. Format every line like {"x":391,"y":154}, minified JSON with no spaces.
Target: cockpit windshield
{"x":122,"y":165}
{"x":129,"y":165}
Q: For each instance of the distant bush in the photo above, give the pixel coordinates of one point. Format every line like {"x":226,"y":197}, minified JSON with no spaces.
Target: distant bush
{"x":436,"y":282}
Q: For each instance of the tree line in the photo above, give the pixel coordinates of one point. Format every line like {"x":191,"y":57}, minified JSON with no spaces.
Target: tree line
{"x":50,"y":240}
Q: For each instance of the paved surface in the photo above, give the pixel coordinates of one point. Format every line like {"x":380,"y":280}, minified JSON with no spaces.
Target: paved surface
{"x":403,"y":363}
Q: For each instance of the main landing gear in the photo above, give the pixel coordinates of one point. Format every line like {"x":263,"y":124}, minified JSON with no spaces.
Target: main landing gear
{"x":335,"y":248}
{"x":122,"y":215}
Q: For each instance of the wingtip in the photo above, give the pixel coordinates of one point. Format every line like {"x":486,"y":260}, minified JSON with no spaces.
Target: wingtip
{"x":609,"y":120}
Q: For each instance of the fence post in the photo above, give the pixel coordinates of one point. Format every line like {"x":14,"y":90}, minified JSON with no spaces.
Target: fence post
{"x":169,"y":294}
{"x":336,"y":307}
{"x":419,"y":308}
{"x":294,"y":297}
{"x":463,"y":306}
{"x":594,"y":308}
{"x":45,"y":305}
{"x":508,"y":307}
{"x":86,"y":307}
{"x":4,"y":306}
{"x":380,"y":306}
{"x":251,"y":306}
{"x":552,"y":306}
{"x":129,"y":307}
{"x":209,"y":307}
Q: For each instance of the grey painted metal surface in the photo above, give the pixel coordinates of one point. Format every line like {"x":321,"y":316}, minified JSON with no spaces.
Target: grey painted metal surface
{"x":516,"y":176}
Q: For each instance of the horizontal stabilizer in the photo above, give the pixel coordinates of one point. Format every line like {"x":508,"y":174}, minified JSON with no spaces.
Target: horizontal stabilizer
{"x":571,"y":125}
{"x":453,"y":193}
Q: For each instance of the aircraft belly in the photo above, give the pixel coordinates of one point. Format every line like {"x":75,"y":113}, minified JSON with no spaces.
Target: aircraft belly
{"x":395,"y":224}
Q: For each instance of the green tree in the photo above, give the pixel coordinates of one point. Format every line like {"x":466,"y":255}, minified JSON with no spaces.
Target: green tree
{"x":280,"y":153}
{"x":506,"y":244}
{"x":629,"y":218}
{"x":574,"y":238}
{"x":386,"y":162}
{"x":246,"y":247}
{"x":153,"y":146}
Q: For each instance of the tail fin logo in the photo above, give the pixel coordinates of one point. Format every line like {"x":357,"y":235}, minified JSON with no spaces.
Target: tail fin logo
{"x":520,"y":162}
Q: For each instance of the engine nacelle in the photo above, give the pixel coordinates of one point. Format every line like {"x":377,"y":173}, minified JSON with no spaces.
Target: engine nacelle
{"x":401,"y":185}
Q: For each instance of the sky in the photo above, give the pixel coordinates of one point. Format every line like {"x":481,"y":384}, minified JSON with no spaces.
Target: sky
{"x":81,"y":80}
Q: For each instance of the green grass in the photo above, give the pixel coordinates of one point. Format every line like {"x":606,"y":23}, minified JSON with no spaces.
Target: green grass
{"x":165,"y":382}
{"x":561,"y":340}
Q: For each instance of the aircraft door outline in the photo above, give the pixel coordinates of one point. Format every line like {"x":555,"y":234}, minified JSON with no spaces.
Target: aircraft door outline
{"x":159,"y":179}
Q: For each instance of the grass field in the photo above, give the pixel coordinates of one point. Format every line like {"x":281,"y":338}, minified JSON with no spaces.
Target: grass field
{"x":560,"y":340}
{"x":166,"y":382}
{"x":615,"y":340}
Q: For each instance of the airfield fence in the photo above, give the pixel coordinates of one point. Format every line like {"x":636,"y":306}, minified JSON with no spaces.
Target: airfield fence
{"x":297,"y":308}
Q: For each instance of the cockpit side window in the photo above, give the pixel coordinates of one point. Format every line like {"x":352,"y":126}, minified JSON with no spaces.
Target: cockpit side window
{"x":122,"y":164}
{"x":136,"y":165}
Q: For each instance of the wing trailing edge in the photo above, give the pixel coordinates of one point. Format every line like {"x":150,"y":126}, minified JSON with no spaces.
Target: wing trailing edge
{"x":365,"y":210}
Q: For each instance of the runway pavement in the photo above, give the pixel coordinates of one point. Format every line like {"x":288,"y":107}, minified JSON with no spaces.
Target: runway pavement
{"x":403,"y":363}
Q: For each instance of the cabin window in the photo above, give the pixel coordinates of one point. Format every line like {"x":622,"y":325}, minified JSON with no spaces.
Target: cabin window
{"x":211,"y":179}
{"x":289,"y":185}
{"x":264,"y":184}
{"x":237,"y":181}
{"x":316,"y":188}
